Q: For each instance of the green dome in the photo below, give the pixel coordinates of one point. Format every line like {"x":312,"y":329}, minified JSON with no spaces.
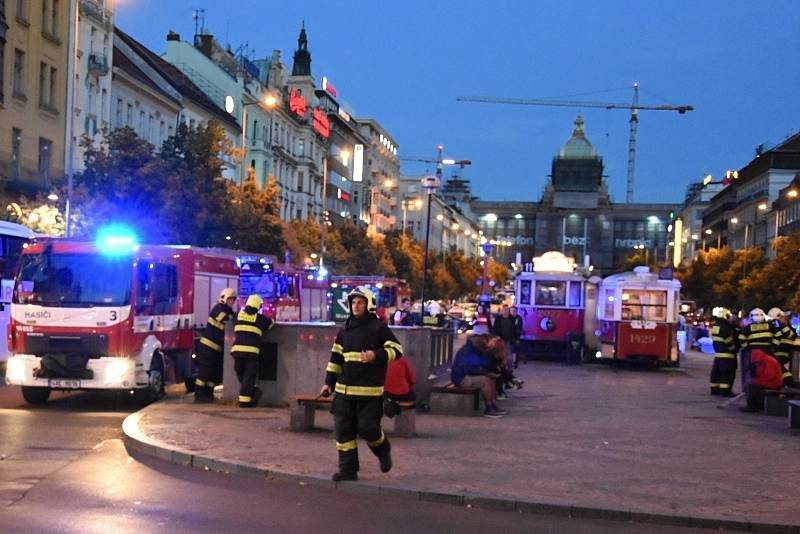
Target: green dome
{"x":577,"y":147}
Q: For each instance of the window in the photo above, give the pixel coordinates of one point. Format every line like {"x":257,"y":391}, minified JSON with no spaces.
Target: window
{"x":45,"y":147}
{"x":157,"y":288}
{"x":161,"y":130}
{"x":575,"y":295}
{"x":525,"y":292}
{"x":19,"y":66}
{"x":45,"y":16}
{"x":550,"y":293}
{"x":150,"y":131}
{"x":129,"y":116}
{"x":141,"y":124}
{"x":21,"y":9}
{"x":103,"y":104}
{"x":608,"y":304}
{"x":118,"y":114}
{"x":52,"y":92}
{"x":2,"y":68}
{"x":16,"y":150}
{"x":644,"y":305}
{"x":301,"y":178}
{"x":43,"y":84}
{"x":54,"y":18}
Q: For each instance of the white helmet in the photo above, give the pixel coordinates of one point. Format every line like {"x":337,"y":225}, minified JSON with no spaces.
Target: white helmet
{"x":720,"y":312}
{"x":757,"y":315}
{"x":775,"y":313}
{"x":227,"y":293}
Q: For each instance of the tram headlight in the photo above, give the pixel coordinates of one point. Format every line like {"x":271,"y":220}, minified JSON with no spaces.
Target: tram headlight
{"x":598,"y":354}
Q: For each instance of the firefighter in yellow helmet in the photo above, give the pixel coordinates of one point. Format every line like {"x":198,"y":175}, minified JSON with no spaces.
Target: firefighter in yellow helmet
{"x":356,"y":373}
{"x":783,"y":336}
{"x":723,"y":371}
{"x":210,"y":347}
{"x":250,"y":330}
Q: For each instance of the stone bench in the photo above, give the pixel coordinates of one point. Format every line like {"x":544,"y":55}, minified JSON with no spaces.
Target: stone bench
{"x":303,"y":408}
{"x":776,"y":401}
{"x":453,"y":400}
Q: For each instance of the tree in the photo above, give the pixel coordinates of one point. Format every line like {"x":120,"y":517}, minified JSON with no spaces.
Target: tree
{"x":701,"y":279}
{"x":252,"y":216}
{"x":778,"y":282}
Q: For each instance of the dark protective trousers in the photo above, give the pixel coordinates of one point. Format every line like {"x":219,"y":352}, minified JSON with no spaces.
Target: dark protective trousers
{"x":209,"y":370}
{"x":358,"y":416}
{"x":723,"y":375}
{"x":786,"y":365}
{"x":247,"y":373}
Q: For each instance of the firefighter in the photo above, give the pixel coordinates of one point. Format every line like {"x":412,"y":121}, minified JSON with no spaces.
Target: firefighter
{"x":210,"y":347}
{"x":782,"y":343}
{"x":723,"y":372}
{"x":356,"y":373}
{"x":758,"y":334}
{"x":250,"y":329}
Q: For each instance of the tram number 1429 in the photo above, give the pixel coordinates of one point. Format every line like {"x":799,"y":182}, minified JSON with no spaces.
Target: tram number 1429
{"x":643,"y":339}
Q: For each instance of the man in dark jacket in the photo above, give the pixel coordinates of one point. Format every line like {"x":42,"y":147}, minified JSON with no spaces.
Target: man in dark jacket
{"x":473,"y":368}
{"x":356,"y":372}
{"x":249,"y":330}
{"x":210,"y":347}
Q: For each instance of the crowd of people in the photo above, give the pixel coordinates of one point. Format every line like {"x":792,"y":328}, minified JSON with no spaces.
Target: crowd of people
{"x":766,"y":342}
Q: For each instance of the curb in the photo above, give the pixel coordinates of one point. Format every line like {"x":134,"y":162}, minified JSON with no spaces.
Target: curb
{"x":137,"y":440}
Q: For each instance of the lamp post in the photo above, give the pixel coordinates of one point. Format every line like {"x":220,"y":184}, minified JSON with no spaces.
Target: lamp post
{"x":430,"y":184}
{"x":487,"y":250}
{"x":270,"y":101}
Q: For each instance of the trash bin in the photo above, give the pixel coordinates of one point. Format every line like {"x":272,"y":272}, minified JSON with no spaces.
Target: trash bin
{"x":575,"y":347}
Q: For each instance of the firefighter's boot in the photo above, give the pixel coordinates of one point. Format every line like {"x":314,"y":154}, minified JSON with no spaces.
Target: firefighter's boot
{"x":383,"y":452}
{"x":348,"y":466}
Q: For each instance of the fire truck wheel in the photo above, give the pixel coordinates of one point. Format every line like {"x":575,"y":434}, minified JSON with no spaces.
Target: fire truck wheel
{"x":155,"y":387}
{"x":35,"y":395}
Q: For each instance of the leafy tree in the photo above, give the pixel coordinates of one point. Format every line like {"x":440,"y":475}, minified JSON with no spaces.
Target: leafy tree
{"x":778,"y":282}
{"x":252,"y":216}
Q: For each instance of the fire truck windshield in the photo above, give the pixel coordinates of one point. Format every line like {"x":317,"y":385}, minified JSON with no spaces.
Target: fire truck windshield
{"x":73,"y":280}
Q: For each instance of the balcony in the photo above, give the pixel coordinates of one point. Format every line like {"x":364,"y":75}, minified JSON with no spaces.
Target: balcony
{"x":97,"y":64}
{"x":95,"y":10}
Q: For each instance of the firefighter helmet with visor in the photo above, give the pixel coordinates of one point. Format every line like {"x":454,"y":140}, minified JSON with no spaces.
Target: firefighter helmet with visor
{"x":366,"y":293}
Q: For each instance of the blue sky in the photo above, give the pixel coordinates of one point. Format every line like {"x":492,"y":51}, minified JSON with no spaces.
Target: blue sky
{"x":404,"y":63}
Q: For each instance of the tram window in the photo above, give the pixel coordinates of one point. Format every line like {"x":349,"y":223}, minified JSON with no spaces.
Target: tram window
{"x":525,"y":292}
{"x":574,"y":294}
{"x":644,"y":305}
{"x":608,"y":304}
{"x":550,"y":293}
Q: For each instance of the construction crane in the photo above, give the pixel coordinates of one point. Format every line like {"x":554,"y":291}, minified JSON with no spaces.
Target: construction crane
{"x":634,"y":120}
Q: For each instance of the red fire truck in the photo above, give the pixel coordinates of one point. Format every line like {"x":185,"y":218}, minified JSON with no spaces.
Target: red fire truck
{"x":389,"y":294}
{"x":637,"y":315}
{"x":109,"y":314}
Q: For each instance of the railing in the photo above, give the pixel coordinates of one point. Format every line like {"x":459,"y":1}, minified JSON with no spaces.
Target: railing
{"x":98,"y":64}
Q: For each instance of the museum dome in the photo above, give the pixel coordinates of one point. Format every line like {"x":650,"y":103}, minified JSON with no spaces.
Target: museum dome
{"x":577,"y":147}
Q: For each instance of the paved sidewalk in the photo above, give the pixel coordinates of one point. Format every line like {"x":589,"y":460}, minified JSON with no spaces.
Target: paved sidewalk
{"x":590,"y":440}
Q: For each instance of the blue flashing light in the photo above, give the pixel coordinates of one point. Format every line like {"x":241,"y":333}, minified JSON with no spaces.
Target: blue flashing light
{"x":323,"y":272}
{"x":116,"y":240}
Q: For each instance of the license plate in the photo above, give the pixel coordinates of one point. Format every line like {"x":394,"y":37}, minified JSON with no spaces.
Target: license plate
{"x":64,"y":383}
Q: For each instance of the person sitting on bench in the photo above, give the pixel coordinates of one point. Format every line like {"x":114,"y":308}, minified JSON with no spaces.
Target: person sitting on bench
{"x":472,"y":369}
{"x":765,"y":373}
{"x":398,"y":387}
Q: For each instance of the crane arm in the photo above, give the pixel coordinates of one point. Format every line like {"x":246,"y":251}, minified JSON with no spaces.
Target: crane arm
{"x":571,"y":103}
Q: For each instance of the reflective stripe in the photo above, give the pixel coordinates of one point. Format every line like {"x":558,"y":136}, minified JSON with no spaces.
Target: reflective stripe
{"x":725,"y":355}
{"x":727,"y":340}
{"x":787,"y":374}
{"x":248,"y":328}
{"x":245,"y":398}
{"x":221,"y":317}
{"x":390,"y":353}
{"x":334,"y":368}
{"x":208,"y":343}
{"x":249,"y":317}
{"x":199,"y":382}
{"x":364,"y":391}
{"x":352,"y":356}
{"x":245,"y":348}
{"x":397,"y":346}
{"x":347,"y":446}
{"x":713,"y":385}
{"x":216,"y":324}
{"x":724,"y":386}
{"x":337,"y":348}
{"x":377,"y":441}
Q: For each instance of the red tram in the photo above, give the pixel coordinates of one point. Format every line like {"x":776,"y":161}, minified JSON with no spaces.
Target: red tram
{"x":637,"y":315}
{"x":551,"y":299}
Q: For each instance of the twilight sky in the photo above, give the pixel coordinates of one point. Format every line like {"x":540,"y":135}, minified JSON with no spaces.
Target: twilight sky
{"x":404,"y":63}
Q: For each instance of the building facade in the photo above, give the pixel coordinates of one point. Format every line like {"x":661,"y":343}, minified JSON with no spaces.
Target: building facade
{"x":576,"y":216}
{"x":34,"y":48}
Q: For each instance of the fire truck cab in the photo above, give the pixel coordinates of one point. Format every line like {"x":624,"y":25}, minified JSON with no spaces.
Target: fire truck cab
{"x":109,"y":314}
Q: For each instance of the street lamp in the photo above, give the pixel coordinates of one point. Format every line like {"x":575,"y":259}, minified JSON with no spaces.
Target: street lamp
{"x":430,"y":184}
{"x":487,"y":250}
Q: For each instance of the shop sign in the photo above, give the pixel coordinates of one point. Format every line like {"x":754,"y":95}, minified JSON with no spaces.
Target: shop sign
{"x":319,"y":123}
{"x":297,"y":104}
{"x":326,"y":86}
{"x":631,"y":243}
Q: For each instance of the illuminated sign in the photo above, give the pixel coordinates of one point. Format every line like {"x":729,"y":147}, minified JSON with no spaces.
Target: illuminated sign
{"x":326,"y":86}
{"x":574,"y":240}
{"x":358,"y":163}
{"x":388,"y":144}
{"x":345,"y":116}
{"x":320,"y":124}
{"x":553,"y":262}
{"x":518,"y":240}
{"x":297,"y":104}
{"x":631,"y":243}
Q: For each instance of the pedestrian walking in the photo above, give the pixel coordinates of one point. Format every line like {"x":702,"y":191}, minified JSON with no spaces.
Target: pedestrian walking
{"x":210,"y":347}
{"x":250,"y":330}
{"x":723,"y":371}
{"x":356,"y":373}
{"x":402,"y":317}
{"x":517,"y":334}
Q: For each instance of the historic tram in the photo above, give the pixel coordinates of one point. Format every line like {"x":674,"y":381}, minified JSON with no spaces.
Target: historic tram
{"x":552,"y":298}
{"x":637,"y":316}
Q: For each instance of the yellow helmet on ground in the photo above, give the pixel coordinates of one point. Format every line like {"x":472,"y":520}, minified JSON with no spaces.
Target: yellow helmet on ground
{"x":775,"y":313}
{"x":227,"y":293}
{"x":721,"y":312}
{"x":254,"y":301}
{"x":366,"y":293}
